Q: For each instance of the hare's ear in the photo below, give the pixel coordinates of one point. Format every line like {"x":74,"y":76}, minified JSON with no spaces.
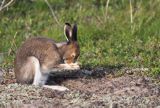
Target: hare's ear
{"x":74,"y":32}
{"x":68,"y":31}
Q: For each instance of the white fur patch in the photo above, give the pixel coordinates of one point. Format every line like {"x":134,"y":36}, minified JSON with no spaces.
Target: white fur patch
{"x":59,"y":88}
{"x":60,"y":44}
{"x":39,"y":77}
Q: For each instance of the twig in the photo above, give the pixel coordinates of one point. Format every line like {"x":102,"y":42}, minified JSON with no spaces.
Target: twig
{"x":53,"y":14}
{"x":12,"y":44}
{"x":131,"y":12}
{"x":107,"y":3}
{"x":6,"y":5}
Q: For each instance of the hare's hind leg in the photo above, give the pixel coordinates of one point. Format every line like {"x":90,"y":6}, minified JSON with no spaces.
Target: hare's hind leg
{"x":24,"y":71}
{"x":39,"y":77}
{"x":56,"y":87}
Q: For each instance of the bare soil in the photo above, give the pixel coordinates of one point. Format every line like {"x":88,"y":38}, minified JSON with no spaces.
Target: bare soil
{"x":88,"y":88}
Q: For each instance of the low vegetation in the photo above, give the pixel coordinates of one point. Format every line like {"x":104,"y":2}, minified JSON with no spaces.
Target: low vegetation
{"x":111,"y":33}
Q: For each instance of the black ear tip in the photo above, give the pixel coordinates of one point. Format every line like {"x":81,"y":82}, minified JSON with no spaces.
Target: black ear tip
{"x":68,"y":24}
{"x":75,"y":24}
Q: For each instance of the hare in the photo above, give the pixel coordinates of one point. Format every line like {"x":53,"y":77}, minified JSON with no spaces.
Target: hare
{"x":39,"y":56}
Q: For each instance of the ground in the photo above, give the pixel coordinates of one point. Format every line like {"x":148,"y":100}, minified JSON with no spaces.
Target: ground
{"x":88,"y":88}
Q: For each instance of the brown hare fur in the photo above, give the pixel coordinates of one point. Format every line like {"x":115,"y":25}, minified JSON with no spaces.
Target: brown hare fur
{"x":39,"y":56}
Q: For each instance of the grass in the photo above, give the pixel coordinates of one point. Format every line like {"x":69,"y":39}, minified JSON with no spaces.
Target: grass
{"x":107,"y":37}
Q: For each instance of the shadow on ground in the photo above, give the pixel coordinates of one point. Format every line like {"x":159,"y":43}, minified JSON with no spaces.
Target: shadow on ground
{"x":87,"y":73}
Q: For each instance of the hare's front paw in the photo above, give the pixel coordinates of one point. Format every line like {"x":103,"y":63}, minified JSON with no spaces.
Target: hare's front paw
{"x":74,"y":66}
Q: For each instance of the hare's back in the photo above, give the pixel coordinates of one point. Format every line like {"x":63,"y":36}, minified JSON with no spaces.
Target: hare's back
{"x":39,"y":47}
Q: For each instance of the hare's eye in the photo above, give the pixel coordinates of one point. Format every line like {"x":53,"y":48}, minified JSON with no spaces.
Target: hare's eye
{"x":73,"y":56}
{"x":65,"y":59}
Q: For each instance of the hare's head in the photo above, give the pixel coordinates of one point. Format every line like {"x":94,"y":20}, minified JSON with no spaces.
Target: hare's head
{"x":72,"y":49}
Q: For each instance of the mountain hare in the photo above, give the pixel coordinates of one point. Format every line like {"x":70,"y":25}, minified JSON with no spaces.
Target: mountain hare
{"x":39,"y":56}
